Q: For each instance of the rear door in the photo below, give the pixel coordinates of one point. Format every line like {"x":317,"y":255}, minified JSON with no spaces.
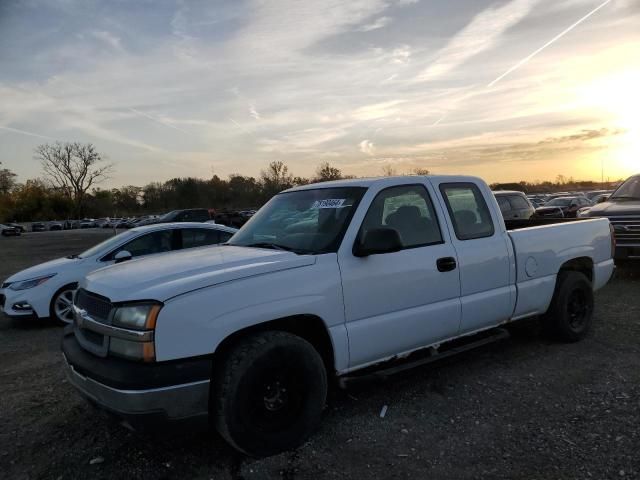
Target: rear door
{"x":400,"y":301}
{"x":484,"y":255}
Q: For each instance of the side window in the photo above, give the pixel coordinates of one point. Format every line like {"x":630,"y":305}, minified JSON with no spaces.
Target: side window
{"x":518,"y":202}
{"x":225,"y":236}
{"x":504,"y":204}
{"x":155,"y":242}
{"x":199,"y":237}
{"x":407,"y":209}
{"x":468,"y":210}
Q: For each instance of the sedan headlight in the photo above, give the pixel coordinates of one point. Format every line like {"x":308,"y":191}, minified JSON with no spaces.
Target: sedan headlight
{"x":34,"y":282}
{"x":139,"y":316}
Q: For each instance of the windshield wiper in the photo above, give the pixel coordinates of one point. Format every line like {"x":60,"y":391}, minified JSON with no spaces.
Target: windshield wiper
{"x":75,"y":255}
{"x":273,"y":246}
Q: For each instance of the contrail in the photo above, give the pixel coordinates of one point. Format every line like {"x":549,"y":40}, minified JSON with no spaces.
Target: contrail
{"x":560,"y":35}
{"x":24,"y":132}
{"x":437,"y":122}
{"x":158,"y":120}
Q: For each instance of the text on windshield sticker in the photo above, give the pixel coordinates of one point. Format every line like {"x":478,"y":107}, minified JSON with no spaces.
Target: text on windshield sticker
{"x":328,"y":203}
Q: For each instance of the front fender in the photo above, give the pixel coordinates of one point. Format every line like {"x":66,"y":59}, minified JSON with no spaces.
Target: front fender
{"x":196,"y":323}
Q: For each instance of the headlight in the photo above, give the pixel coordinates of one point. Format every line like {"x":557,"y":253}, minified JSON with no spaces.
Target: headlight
{"x":141,"y":316}
{"x":34,"y":282}
{"x":137,"y":316}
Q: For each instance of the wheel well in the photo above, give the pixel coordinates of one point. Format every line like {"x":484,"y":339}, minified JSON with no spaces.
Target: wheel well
{"x":309,"y":327}
{"x":583,"y":265}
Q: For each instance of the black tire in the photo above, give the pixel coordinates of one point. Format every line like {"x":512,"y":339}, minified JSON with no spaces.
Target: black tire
{"x":570,"y":314}
{"x":268,"y":393}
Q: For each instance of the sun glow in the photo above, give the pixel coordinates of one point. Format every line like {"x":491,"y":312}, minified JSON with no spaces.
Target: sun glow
{"x":617,"y":98}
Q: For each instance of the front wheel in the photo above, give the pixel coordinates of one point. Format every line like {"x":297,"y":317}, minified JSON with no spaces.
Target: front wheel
{"x":268,"y":393}
{"x":569,"y":317}
{"x":61,"y":304}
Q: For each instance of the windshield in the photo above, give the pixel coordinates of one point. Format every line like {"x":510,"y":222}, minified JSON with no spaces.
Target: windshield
{"x":168,"y":216}
{"x":559,"y":202}
{"x":107,"y":244}
{"x":629,"y":190}
{"x":304,"y":221}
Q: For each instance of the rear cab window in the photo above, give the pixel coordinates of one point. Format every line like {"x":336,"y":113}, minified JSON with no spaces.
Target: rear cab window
{"x":468,"y":210}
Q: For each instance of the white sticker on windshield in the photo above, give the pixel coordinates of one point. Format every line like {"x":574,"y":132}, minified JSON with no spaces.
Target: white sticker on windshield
{"x":328,"y":203}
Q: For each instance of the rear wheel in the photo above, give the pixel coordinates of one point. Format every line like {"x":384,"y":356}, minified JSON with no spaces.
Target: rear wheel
{"x":569,"y":317}
{"x":269,"y":393}
{"x":61,"y":304}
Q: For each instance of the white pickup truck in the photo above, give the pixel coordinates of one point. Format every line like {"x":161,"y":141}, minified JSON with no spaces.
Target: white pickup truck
{"x":326,"y":281}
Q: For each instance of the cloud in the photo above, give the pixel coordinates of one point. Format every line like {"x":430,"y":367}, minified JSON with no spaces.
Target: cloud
{"x":481,"y":34}
{"x":108,"y":38}
{"x":584,"y":135}
{"x":253,"y":112}
{"x":366,"y":147}
{"x":378,"y":23}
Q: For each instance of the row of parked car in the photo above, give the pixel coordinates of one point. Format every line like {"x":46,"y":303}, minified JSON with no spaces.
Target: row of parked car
{"x":234,"y":219}
{"x":516,"y":205}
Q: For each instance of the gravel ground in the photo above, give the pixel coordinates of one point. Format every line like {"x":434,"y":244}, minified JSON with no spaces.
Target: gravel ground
{"x":523,"y":408}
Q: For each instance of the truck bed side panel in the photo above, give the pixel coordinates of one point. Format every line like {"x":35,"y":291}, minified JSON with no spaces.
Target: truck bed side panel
{"x":541,"y":251}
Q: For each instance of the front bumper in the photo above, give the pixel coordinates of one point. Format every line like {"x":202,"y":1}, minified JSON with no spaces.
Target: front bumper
{"x":8,"y":298}
{"x":145,"y":395}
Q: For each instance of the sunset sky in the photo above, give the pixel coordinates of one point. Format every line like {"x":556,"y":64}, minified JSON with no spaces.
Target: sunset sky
{"x":187,"y":88}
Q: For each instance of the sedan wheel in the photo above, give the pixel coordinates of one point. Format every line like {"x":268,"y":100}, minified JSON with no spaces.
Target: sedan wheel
{"x":62,"y":305}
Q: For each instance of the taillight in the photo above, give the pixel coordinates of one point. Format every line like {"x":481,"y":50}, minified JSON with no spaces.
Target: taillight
{"x":613,"y":240}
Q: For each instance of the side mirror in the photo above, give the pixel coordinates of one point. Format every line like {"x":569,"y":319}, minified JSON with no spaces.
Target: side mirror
{"x":122,"y":256}
{"x":377,"y":241}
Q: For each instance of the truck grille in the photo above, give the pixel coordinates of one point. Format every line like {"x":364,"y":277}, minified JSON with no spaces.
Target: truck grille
{"x":97,"y":307}
{"x":627,"y":230}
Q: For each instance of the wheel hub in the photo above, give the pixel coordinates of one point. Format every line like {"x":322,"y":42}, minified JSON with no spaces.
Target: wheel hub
{"x":275,"y":396}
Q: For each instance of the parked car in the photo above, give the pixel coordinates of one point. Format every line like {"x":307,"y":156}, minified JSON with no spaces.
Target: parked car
{"x":9,"y":231}
{"x":593,"y":194}
{"x":186,"y":215}
{"x":514,"y":205}
{"x":38,"y":227}
{"x":232,"y":219}
{"x":622,"y":208}
{"x":87,"y":223}
{"x":56,"y":226}
{"x":46,"y":290}
{"x":568,"y":205}
{"x":17,"y":226}
{"x":252,"y":333}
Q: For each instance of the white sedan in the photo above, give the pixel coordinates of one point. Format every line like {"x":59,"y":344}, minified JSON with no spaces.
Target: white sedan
{"x":46,"y":290}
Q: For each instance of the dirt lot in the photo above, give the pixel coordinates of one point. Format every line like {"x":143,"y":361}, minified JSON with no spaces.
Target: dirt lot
{"x":524,"y":408}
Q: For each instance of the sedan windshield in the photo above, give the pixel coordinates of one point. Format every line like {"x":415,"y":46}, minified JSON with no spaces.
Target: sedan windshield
{"x":303,"y":221}
{"x":107,"y":244}
{"x":628,"y":190}
{"x":559,"y":202}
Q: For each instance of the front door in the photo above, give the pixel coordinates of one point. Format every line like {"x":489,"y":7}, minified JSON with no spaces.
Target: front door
{"x":400,"y":301}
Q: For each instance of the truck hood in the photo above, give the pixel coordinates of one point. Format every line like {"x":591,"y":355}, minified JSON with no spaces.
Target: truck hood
{"x":47,"y":268}
{"x":164,"y":276}
{"x":615,"y":208}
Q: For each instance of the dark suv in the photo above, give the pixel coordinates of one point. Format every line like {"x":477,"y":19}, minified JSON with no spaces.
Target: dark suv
{"x":623,"y":210}
{"x":186,"y":215}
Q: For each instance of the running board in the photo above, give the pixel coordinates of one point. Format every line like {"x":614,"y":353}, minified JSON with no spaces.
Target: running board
{"x":449,"y":349}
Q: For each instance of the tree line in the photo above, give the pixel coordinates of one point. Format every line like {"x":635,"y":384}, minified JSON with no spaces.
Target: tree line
{"x":72,"y":173}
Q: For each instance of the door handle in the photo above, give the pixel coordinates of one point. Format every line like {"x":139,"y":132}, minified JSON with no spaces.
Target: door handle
{"x":446,"y":264}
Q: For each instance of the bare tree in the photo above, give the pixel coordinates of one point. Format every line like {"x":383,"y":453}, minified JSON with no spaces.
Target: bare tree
{"x":73,"y":168}
{"x":7,"y":180}
{"x":389,"y":171}
{"x":421,"y":171}
{"x":326,"y":172}
{"x":276,"y":178}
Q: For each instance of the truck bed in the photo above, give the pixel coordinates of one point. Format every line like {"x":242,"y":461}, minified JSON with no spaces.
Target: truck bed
{"x":538,"y":221}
